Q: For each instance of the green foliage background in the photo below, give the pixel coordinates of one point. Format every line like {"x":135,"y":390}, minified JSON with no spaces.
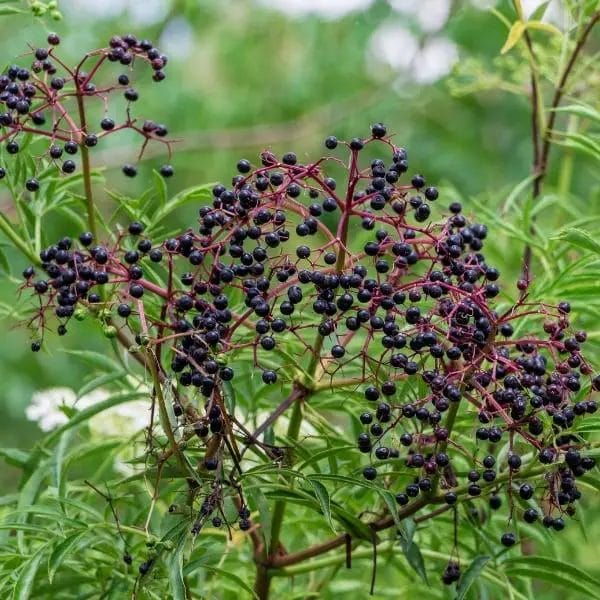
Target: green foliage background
{"x":256,"y":78}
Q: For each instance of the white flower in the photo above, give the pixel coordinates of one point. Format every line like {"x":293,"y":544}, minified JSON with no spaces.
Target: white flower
{"x":45,"y":407}
{"x":396,"y":46}
{"x":126,"y":419}
{"x":431,"y":15}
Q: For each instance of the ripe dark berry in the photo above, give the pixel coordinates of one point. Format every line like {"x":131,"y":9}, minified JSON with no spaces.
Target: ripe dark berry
{"x":514,"y":461}
{"x":418,"y":181}
{"x":123,"y":79}
{"x":55,"y":151}
{"x":35,"y":346}
{"x":131,"y":95}
{"x":107,"y":124}
{"x":357,"y":144}
{"x":530,"y":515}
{"x":91,"y":140}
{"x":129,"y":170}
{"x":431,"y":193}
{"x":331,"y":142}
{"x":495,"y":502}
{"x":269,"y":377}
{"x":244,"y":166}
{"x":53,"y":39}
{"x":136,"y":290}
{"x":32,"y":184}
{"x":71,"y":147}
{"x":167,"y":171}
{"x":124,"y":310}
{"x":135,"y":228}
{"x":369,"y":473}
{"x":68,"y":166}
{"x":378,"y":130}
{"x":12,"y":147}
{"x":508,"y":539}
{"x":86,"y":238}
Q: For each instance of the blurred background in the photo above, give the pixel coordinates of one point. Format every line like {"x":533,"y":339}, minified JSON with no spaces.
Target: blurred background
{"x":245,"y":75}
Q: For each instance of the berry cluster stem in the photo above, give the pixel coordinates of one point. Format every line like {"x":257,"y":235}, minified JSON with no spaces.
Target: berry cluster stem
{"x":86,"y":168}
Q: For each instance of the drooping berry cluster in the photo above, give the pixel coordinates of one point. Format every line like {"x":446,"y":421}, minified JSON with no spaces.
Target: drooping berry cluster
{"x":360,"y":290}
{"x":49,"y":99}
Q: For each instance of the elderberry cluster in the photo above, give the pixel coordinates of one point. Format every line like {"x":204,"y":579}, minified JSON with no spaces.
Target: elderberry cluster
{"x":49,"y":98}
{"x":362,"y":290}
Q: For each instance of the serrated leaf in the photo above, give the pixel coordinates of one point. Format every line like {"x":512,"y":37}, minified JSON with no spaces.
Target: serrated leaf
{"x":61,"y":551}
{"x":515,"y":33}
{"x":324,"y":501}
{"x":578,"y":237}
{"x":470,"y":575}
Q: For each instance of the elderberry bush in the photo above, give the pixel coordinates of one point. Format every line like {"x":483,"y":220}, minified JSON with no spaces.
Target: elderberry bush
{"x":52,"y":99}
{"x":342,"y":277}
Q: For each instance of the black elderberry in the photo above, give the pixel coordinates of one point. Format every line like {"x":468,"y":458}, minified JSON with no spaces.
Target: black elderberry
{"x":71,"y":147}
{"x":331,"y":142}
{"x":124,"y":310}
{"x":378,"y":130}
{"x":131,"y":95}
{"x":167,"y":171}
{"x":508,"y":539}
{"x":32,"y":184}
{"x":107,"y":124}
{"x":530,"y":515}
{"x":68,"y":166}
{"x":129,"y":170}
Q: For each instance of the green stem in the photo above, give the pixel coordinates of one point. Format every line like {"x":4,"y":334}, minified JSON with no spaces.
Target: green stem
{"x":164,"y":415}
{"x":279,"y":509}
{"x":13,"y":236}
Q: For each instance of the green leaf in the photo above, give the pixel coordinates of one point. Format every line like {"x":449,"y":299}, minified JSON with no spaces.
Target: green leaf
{"x":10,"y":10}
{"x":548,"y":27}
{"x":556,"y":572}
{"x":578,"y":237}
{"x":470,"y":575}
{"x":516,"y":192}
{"x":411,"y":550}
{"x":580,"y":110}
{"x":514,"y":35}
{"x":14,"y":457}
{"x":193,"y":194}
{"x":200,"y":564}
{"x":61,"y":551}
{"x":95,"y":359}
{"x":264,"y":514}
{"x":324,"y":500}
{"x":540,"y":11}
{"x":24,"y":584}
{"x":175,"y":568}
